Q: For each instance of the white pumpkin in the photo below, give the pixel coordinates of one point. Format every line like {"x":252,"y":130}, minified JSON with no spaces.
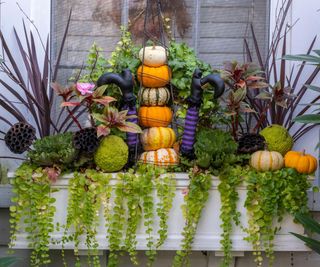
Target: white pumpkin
{"x":263,"y":160}
{"x":160,"y":157}
{"x":154,"y":96}
{"x":154,"y":56}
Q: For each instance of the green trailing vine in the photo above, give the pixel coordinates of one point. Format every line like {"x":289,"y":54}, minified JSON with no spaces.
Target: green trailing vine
{"x":86,"y":193}
{"x":230,"y":178}
{"x":117,"y":221}
{"x":270,"y":196}
{"x":33,"y":212}
{"x":194,"y":202}
{"x":134,"y":203}
{"x":134,"y":215}
{"x":165,"y":187}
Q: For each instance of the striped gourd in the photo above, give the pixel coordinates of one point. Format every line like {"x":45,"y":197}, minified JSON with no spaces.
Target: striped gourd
{"x":263,"y":160}
{"x":154,"y":96}
{"x":157,"y":137}
{"x":160,"y":157}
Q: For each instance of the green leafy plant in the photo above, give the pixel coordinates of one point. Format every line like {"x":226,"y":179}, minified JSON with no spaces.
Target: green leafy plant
{"x":183,"y":61}
{"x":194,"y":202}
{"x":96,"y":64}
{"x":230,"y":178}
{"x":270,"y":196}
{"x":33,"y":212}
{"x":53,"y":150}
{"x":133,"y":204}
{"x":124,"y":56}
{"x":87,"y":191}
{"x":312,"y":225}
{"x":117,"y":222}
{"x":165,"y":186}
{"x":214,"y":148}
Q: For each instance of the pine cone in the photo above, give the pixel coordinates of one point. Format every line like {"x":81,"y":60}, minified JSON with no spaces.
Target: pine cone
{"x":250,"y":143}
{"x":20,"y":137}
{"x":86,"y":140}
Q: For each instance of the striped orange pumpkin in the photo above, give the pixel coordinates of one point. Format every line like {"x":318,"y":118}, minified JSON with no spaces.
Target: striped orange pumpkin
{"x":160,"y":157}
{"x":154,"y":76}
{"x":155,"y":116}
{"x":154,"y":96}
{"x":157,"y":137}
{"x":263,"y":160}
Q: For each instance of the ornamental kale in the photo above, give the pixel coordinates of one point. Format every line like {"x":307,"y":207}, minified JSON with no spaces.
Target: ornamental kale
{"x":214,"y":148}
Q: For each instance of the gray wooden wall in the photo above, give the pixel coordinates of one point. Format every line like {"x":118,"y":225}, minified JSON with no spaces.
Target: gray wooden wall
{"x":217,"y":30}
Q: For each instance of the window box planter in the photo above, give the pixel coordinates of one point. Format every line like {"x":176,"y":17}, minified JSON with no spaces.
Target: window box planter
{"x":208,"y":232}
{"x":5,"y":195}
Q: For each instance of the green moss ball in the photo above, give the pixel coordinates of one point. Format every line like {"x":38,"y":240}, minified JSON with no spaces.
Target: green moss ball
{"x":277,"y":138}
{"x":112,"y":154}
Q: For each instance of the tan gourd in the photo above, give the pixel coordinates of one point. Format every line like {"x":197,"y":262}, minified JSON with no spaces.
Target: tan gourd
{"x":263,"y":160}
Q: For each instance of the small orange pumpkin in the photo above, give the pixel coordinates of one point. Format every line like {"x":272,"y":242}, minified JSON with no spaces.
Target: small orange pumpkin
{"x":154,"y":76}
{"x":157,"y":137}
{"x":155,"y":116}
{"x":160,"y":157}
{"x":303,"y":163}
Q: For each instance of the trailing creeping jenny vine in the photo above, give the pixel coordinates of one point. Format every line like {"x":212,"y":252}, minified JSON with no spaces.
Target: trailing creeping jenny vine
{"x":230,"y":178}
{"x":128,"y":203}
{"x":194,"y":202}
{"x":33,"y":212}
{"x":270,"y":195}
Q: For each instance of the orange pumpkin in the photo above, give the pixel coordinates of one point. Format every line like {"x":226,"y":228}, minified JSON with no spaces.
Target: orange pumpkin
{"x":155,"y":116}
{"x":154,"y":76}
{"x":160,"y":157}
{"x":303,"y":163}
{"x":157,"y":137}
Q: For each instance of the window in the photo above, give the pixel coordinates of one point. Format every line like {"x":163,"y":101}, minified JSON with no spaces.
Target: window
{"x":214,"y":28}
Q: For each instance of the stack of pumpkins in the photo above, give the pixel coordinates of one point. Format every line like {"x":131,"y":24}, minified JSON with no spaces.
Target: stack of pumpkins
{"x":154,"y":116}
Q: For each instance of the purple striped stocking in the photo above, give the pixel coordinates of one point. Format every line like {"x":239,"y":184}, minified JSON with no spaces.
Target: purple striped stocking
{"x":132,"y":138}
{"x":190,"y":127}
